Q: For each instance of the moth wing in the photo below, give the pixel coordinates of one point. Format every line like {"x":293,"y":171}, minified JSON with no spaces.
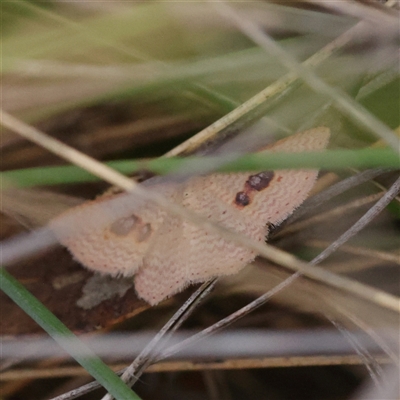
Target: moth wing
{"x":246,"y":203}
{"x":183,"y":253}
{"x":111,"y":235}
{"x":165,"y":265}
{"x":214,"y":255}
{"x":163,"y":271}
{"x":193,"y":254}
{"x":282,"y":191}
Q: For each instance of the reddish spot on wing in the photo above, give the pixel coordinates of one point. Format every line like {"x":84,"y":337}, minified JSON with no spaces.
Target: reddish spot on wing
{"x":259,"y":181}
{"x":255,"y":183}
{"x":242,"y":199}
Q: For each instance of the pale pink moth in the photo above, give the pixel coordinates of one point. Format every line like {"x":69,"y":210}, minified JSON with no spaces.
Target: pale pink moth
{"x":123,"y":236}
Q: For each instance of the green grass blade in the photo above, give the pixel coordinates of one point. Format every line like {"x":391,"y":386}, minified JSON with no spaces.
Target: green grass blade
{"x":331,"y":159}
{"x":64,"y":337}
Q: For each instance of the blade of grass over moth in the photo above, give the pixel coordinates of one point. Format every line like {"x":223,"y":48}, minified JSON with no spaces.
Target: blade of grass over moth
{"x":343,"y":101}
{"x":329,"y":159}
{"x":64,"y":337}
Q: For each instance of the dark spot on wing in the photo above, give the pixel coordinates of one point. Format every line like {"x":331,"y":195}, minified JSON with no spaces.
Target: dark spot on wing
{"x":260,"y":181}
{"x":254,"y":184}
{"x":242,"y":199}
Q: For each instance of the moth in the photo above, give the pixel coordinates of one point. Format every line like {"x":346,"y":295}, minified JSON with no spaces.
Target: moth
{"x":122,"y":235}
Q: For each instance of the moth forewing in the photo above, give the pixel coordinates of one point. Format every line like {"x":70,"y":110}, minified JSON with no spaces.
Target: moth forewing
{"x":122,"y":235}
{"x":111,"y":235}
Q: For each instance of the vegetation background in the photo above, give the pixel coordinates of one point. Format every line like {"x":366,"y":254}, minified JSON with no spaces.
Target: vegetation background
{"x":132,"y":80}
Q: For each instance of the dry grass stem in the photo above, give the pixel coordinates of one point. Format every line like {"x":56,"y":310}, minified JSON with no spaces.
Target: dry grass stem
{"x":338,"y":211}
{"x":186,"y":365}
{"x":359,"y":251}
{"x":375,"y":210}
{"x":132,"y":373}
{"x":335,"y":190}
{"x":66,"y":152}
